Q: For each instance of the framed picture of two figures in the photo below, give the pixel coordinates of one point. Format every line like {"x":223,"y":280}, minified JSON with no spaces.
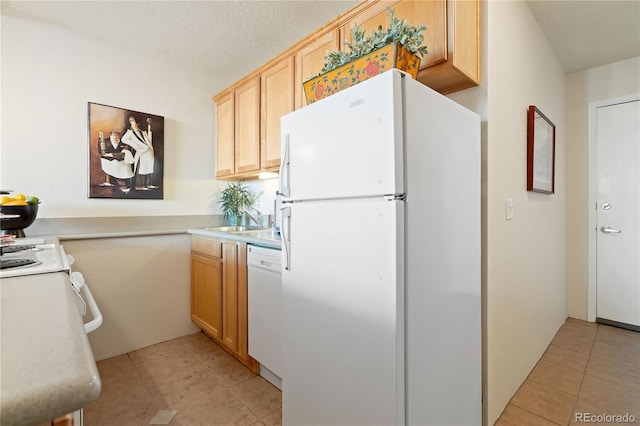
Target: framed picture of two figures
{"x":126,"y":153}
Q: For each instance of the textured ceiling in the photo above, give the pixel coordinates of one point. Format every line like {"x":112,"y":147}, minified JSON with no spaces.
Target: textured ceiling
{"x":230,"y":38}
{"x":234,"y":37}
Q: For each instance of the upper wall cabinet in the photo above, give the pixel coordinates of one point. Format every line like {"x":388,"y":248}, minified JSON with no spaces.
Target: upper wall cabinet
{"x":429,"y":13}
{"x":276,"y":100}
{"x":247,"y":126}
{"x":310,"y":59}
{"x":461,"y":69}
{"x":248,"y":121}
{"x":451,"y":37}
{"x":225,"y":134}
{"x":249,"y":112}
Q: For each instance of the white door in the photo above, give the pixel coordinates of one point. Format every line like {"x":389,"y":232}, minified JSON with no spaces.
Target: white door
{"x":343,"y":313}
{"x":347,"y":145}
{"x":618,"y":213}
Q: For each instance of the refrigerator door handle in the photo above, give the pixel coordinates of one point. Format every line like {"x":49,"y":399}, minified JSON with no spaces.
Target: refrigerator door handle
{"x":284,"y":167}
{"x":286,"y":236}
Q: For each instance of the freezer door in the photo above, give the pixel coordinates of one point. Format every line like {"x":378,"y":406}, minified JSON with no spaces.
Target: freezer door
{"x":343,"y":314}
{"x":346,"y":145}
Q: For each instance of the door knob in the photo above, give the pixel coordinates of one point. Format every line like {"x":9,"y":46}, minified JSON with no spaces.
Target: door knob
{"x":607,"y":230}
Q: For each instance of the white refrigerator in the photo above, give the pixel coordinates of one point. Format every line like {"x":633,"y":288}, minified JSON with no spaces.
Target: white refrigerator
{"x":381,"y":258}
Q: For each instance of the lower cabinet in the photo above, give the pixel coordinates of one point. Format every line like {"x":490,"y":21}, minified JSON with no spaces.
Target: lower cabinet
{"x":206,"y":294}
{"x":66,"y":420}
{"x":230,"y":296}
{"x":219,"y":294}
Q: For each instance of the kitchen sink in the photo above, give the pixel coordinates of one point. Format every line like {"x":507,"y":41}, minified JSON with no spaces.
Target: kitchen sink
{"x":262,"y":233}
{"x":248,"y":231}
{"x":236,"y":229}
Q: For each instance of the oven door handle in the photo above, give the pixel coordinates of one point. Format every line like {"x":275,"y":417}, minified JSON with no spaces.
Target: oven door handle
{"x":78,"y":284}
{"x":95,"y":312}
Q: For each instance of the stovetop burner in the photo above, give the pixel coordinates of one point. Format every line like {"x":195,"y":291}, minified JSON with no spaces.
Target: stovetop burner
{"x":16,"y":248}
{"x":17,"y":263}
{"x":32,"y":256}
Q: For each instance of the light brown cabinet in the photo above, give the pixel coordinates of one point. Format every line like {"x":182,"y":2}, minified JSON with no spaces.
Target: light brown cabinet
{"x":461,"y":68}
{"x":310,"y":59}
{"x":276,"y":98}
{"x":219,"y":294}
{"x":206,"y":285}
{"x":66,"y":420}
{"x":451,"y":37}
{"x":225,"y":162}
{"x":249,"y":112}
{"x":249,"y":122}
{"x":206,"y":292}
{"x":230,"y":296}
{"x":429,"y":13}
{"x":238,"y":129}
{"x":247,"y":126}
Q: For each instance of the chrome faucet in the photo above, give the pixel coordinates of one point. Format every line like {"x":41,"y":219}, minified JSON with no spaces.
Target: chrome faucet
{"x":258,"y":219}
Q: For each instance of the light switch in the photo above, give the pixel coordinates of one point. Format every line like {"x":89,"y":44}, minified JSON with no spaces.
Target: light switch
{"x":509,"y":208}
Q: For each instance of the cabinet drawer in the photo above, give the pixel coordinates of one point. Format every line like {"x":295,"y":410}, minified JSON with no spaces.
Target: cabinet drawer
{"x":207,"y":246}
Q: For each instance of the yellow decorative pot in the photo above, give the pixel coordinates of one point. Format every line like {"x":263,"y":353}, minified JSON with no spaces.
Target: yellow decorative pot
{"x":392,"y":55}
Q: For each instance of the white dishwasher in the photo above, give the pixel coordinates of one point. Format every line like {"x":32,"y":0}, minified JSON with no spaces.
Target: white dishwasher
{"x":265,"y":319}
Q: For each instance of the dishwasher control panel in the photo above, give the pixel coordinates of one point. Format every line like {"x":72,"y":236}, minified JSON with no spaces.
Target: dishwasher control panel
{"x":265,"y":257}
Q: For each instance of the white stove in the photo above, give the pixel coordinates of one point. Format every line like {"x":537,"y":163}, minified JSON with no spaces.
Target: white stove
{"x":30,"y":256}
{"x":33,"y":256}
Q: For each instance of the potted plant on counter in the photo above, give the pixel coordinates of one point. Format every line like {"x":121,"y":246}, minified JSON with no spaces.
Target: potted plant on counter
{"x":234,"y":199}
{"x":397,"y":46}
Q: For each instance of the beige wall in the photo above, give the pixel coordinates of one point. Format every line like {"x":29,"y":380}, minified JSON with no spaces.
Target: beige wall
{"x":525,"y":257}
{"x":142,"y":287}
{"x":597,"y":84}
{"x":50,"y":73}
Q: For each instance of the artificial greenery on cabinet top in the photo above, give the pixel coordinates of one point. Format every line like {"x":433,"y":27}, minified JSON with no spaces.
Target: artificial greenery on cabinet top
{"x":398,"y":31}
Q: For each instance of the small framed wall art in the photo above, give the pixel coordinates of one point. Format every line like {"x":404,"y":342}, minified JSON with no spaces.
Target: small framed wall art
{"x":126,"y":153}
{"x":541,"y":152}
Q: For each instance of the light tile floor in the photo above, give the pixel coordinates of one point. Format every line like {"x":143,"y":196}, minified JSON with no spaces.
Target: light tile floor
{"x":192,"y":375}
{"x":588,"y":368}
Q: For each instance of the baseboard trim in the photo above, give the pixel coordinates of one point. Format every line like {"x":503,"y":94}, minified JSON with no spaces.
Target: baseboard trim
{"x":618,"y":324}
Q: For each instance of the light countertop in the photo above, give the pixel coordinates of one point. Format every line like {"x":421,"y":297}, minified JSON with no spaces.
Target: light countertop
{"x":266,"y":238}
{"x":47,"y":367}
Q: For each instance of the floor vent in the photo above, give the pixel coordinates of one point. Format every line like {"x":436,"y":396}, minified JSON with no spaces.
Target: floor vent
{"x":163,"y":417}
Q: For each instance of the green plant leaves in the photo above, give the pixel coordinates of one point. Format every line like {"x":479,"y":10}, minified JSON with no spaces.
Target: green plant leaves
{"x":398,"y":31}
{"x":235,"y":198}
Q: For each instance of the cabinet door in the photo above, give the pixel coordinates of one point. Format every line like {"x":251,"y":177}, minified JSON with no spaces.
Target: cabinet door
{"x":247,"y":126}
{"x":225,"y":135}
{"x":463,"y":22}
{"x":206,"y":294}
{"x":230,"y":296}
{"x":277,"y":100}
{"x":431,"y":13}
{"x":461,"y":69}
{"x":310,"y":59}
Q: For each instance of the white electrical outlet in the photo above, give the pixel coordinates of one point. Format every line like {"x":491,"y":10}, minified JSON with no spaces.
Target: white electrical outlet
{"x":509,"y":208}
